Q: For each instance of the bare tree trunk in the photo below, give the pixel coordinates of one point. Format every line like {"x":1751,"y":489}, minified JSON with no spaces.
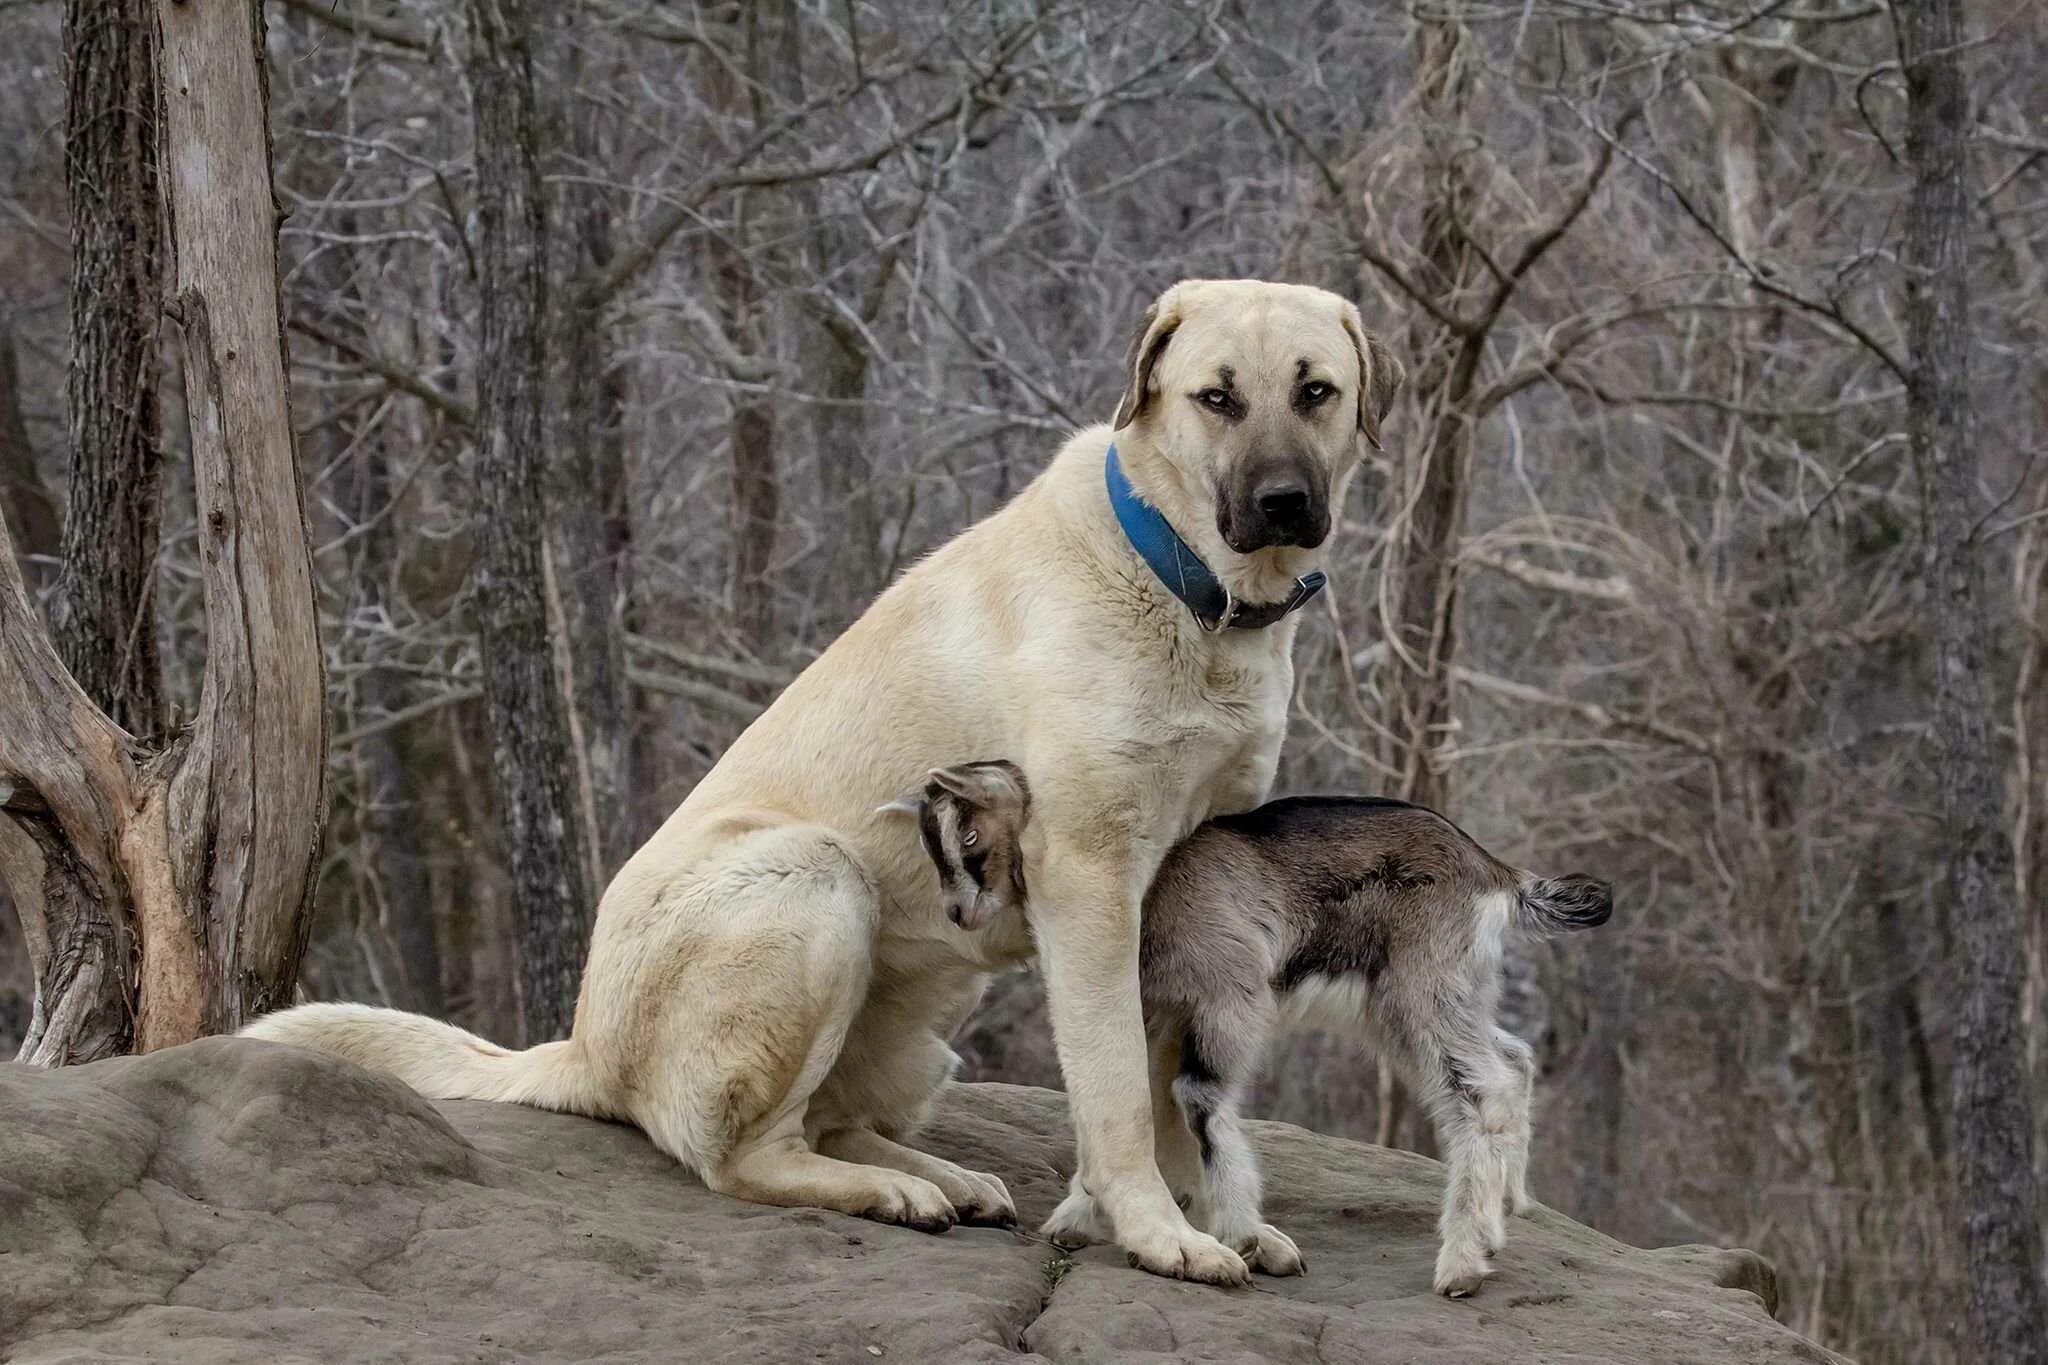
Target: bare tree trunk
{"x":846,"y":469}
{"x":737,"y":266}
{"x":1429,"y":516}
{"x":24,"y":498}
{"x":529,"y":721}
{"x":393,"y":878}
{"x":176,"y":882}
{"x":590,"y":530}
{"x":1997,"y":1197}
{"x":248,"y":802}
{"x":103,"y":613}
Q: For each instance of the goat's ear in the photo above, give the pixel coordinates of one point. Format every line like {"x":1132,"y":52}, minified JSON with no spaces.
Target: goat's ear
{"x":1380,"y":376}
{"x":991,"y":782}
{"x":1148,"y":343}
{"x":910,"y":803}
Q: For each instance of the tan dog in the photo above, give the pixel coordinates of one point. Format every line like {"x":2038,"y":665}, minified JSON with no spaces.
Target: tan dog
{"x":772,"y":981}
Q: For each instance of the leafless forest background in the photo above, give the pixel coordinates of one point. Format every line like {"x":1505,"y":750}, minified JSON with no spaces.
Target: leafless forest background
{"x":1638,"y":586}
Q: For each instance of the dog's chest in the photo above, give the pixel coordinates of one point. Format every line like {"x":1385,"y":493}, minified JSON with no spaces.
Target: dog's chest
{"x":1219,"y":696}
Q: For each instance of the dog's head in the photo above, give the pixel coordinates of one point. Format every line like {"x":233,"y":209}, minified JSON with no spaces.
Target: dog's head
{"x":1243,"y":416}
{"x":970,"y":818}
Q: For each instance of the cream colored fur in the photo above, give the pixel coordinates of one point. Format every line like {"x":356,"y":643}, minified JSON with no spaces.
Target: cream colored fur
{"x":771,"y":983}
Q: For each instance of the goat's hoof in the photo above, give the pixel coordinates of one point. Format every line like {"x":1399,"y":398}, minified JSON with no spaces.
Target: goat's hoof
{"x":1270,"y":1251}
{"x":1075,"y":1223}
{"x":1461,"y":1281}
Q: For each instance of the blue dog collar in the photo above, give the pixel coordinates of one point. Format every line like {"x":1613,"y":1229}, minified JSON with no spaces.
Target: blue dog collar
{"x":1182,"y":570}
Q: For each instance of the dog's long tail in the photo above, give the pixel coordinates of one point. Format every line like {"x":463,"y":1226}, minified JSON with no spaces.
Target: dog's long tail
{"x":440,"y":1060}
{"x":1557,"y":905}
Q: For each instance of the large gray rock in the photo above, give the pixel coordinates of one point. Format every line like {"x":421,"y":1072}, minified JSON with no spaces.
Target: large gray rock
{"x":240,"y":1201}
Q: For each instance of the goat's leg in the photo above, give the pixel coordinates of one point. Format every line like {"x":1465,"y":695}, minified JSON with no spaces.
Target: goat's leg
{"x":1471,"y":1092}
{"x":1218,"y":1055}
{"x":1180,"y":1158}
{"x":1233,"y":1194}
{"x":1522,"y":1060}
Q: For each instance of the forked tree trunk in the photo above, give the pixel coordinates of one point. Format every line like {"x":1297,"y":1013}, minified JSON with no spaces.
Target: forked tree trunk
{"x":529,"y":723}
{"x":1994,"y":1163}
{"x":176,"y":880}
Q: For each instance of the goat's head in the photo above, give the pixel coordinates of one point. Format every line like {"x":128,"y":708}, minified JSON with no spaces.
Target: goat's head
{"x":970,"y":818}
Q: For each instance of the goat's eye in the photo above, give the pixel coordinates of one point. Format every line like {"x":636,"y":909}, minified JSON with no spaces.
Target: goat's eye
{"x":1216,"y":400}
{"x":970,"y":838}
{"x":1315,"y":392}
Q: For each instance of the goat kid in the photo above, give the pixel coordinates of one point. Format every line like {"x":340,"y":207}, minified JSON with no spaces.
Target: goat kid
{"x":1361,"y":913}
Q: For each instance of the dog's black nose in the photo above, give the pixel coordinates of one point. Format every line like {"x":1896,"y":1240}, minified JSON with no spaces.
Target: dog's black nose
{"x":1282,"y":500}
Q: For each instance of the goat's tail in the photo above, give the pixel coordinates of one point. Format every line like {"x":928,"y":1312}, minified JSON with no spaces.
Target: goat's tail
{"x":1559,"y":905}
{"x":440,"y":1060}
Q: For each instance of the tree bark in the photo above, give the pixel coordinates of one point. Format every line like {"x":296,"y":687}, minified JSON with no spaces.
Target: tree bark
{"x":529,"y":722}
{"x":1997,"y":1198}
{"x":1429,"y":521}
{"x":392,"y":881}
{"x":591,"y":534}
{"x":1429,"y":517}
{"x":103,"y":612}
{"x":248,"y":802}
{"x":176,"y":880}
{"x":24,"y":498}
{"x":738,"y":263}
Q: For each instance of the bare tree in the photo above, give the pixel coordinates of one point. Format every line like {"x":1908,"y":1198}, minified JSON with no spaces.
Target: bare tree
{"x":591,"y":527}
{"x":1994,"y":1124}
{"x":104,"y":611}
{"x":175,"y":877}
{"x":529,"y":724}
{"x":24,"y":498}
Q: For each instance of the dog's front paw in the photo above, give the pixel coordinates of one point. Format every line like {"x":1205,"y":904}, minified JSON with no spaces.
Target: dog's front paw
{"x":912,"y":1203}
{"x":1270,"y":1251}
{"x":1185,"y":1254}
{"x":990,"y":1206}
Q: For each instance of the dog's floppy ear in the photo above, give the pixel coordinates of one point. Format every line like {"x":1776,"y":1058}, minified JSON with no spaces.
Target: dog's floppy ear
{"x":1148,"y":343}
{"x":987,"y":783}
{"x":1379,"y":376}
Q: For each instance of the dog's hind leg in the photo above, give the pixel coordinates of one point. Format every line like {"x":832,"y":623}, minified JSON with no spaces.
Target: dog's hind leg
{"x":767,"y":969}
{"x":888,"y":1077}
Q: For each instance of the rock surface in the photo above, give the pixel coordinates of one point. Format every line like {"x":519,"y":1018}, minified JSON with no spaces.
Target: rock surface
{"x":241,"y":1201}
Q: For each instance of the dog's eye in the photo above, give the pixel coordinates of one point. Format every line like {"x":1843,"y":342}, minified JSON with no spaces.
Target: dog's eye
{"x":1216,"y":400}
{"x":1315,"y":392}
{"x":970,"y":838}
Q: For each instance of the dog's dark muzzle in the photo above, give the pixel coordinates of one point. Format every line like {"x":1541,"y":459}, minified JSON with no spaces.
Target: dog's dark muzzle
{"x":1279,"y":503}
